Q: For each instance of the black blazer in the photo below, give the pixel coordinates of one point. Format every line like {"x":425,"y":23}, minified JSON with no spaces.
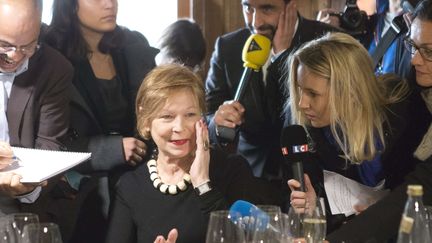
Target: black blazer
{"x":261,"y":129}
{"x":132,"y":61}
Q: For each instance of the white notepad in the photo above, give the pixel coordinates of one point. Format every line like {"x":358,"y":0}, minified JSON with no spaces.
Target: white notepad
{"x":36,"y":165}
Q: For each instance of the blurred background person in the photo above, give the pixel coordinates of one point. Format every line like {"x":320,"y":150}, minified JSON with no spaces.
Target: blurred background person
{"x":182,"y":42}
{"x":186,"y":178}
{"x":375,"y":26}
{"x":110,"y":63}
{"x":353,"y":119}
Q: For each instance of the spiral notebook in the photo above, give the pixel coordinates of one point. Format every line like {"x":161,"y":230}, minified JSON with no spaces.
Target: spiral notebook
{"x":36,"y":165}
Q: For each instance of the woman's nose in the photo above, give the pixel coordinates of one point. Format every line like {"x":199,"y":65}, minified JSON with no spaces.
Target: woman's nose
{"x":304,"y":102}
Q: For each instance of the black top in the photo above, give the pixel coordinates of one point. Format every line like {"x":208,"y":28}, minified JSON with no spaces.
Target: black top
{"x":140,"y":212}
{"x":115,"y":104}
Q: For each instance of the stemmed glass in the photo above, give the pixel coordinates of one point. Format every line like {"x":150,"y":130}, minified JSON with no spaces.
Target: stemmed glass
{"x":41,"y":233}
{"x":223,"y":227}
{"x":19,"y":220}
{"x":268,"y":227}
{"x":314,"y":221}
{"x":7,"y":233}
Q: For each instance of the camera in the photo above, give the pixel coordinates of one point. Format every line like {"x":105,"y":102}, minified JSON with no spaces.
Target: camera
{"x":353,"y":20}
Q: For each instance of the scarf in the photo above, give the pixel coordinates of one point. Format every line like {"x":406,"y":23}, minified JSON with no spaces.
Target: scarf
{"x":424,"y":150}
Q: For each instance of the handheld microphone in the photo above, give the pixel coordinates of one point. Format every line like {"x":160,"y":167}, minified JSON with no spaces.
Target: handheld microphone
{"x":295,"y":149}
{"x":255,"y":54}
{"x":250,"y":216}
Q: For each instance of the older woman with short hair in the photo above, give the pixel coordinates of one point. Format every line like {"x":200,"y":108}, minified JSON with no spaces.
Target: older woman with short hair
{"x":185,"y":179}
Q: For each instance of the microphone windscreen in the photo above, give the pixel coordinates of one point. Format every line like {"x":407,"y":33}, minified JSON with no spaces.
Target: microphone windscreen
{"x":248,"y":215}
{"x":256,"y":51}
{"x":294,"y":143}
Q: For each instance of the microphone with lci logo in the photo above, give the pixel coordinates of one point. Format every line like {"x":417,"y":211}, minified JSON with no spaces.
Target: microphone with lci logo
{"x":295,"y":150}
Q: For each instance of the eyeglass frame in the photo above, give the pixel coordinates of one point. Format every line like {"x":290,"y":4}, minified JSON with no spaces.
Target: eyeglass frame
{"x":412,"y":47}
{"x":22,"y":49}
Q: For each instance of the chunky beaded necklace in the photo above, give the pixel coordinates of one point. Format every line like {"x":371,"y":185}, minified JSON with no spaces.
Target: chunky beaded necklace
{"x":166,"y":188}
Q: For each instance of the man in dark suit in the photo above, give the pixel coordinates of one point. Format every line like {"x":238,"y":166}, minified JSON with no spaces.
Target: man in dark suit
{"x":258,"y":113}
{"x":33,"y":84}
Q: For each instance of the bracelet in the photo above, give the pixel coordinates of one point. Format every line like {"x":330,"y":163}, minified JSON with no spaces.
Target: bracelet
{"x":203,"y":188}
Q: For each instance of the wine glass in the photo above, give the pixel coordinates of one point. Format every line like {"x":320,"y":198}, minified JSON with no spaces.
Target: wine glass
{"x":429,"y":218}
{"x":293,"y":225}
{"x":41,"y":233}
{"x":19,"y":220}
{"x":314,"y":221}
{"x":224,"y":227}
{"x":270,"y":208}
{"x":7,"y":233}
{"x":268,"y":227}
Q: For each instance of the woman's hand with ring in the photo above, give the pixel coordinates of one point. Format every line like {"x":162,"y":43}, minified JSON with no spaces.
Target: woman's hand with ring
{"x":199,"y":170}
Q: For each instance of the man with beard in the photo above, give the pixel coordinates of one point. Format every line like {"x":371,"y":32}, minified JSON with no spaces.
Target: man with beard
{"x":258,"y":113}
{"x":33,"y":100}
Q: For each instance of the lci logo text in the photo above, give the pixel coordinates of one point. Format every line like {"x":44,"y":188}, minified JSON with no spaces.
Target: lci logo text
{"x":295,"y":149}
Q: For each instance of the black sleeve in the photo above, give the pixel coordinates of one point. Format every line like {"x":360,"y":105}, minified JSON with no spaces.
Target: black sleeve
{"x":217,"y":90}
{"x":121,"y":227}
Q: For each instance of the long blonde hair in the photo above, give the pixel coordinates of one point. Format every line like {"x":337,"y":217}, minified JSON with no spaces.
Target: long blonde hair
{"x":357,"y":98}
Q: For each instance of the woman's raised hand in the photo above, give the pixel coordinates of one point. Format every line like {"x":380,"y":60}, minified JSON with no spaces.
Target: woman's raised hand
{"x":199,"y":170}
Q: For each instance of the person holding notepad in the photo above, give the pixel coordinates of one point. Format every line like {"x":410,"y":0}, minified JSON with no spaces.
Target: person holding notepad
{"x":34,"y":80}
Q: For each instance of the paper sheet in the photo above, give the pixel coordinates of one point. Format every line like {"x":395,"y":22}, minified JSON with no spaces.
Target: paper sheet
{"x":37,"y":165}
{"x":343,"y":193}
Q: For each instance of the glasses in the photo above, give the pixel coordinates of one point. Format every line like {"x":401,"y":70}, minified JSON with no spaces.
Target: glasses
{"x":426,"y":53}
{"x":25,"y":50}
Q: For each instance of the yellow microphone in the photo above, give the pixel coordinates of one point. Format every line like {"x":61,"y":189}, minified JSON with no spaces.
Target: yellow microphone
{"x":256,"y":51}
{"x":255,"y":54}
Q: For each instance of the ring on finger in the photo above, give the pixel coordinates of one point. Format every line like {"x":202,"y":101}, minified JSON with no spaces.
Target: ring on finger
{"x":206,"y":145}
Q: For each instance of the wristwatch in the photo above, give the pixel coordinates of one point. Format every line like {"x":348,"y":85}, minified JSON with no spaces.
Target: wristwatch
{"x":203,"y":188}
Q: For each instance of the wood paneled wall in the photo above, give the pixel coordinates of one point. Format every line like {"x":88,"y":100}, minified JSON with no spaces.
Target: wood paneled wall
{"x":217,"y":17}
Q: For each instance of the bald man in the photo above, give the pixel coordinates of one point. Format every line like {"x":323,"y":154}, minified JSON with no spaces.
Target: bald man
{"x":34,"y":104}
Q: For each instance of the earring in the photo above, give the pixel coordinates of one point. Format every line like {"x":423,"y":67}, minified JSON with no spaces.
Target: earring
{"x":154,"y":153}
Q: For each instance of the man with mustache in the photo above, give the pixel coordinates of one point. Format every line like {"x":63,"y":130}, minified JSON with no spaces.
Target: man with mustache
{"x":33,"y":98}
{"x":258,"y":113}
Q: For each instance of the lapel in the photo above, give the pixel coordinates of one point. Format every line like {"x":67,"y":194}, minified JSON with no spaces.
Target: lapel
{"x":22,"y":89}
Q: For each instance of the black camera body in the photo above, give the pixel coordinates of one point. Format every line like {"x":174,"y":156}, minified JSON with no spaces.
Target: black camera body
{"x":353,"y":20}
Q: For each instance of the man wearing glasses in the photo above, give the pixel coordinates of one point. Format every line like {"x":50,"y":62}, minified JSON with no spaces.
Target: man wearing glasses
{"x":33,"y":100}
{"x":381,"y":220}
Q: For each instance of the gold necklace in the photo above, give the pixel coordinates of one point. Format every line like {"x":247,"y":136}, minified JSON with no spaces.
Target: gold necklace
{"x":166,"y":188}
